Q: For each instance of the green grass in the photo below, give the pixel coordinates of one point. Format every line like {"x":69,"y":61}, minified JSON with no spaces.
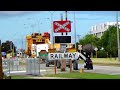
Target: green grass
{"x":85,"y":75}
{"x":20,"y":77}
{"x":104,"y":61}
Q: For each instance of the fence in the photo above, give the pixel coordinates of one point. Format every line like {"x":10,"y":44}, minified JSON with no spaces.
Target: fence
{"x":30,"y":66}
{"x":33,"y":66}
{"x":10,"y":65}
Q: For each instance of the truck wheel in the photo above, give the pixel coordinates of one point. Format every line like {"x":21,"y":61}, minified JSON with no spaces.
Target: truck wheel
{"x":91,"y":67}
{"x":58,"y":64}
{"x":68,"y":66}
{"x":47,"y":65}
{"x":75,"y":65}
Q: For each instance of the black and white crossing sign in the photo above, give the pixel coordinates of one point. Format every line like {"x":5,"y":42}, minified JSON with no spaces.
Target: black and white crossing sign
{"x":60,"y":56}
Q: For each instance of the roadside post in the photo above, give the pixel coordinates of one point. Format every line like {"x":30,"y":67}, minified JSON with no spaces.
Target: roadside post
{"x":63,"y":50}
{"x":81,"y":70}
{"x":55,"y":66}
{"x":1,"y":70}
{"x":96,"y":51}
{"x":70,"y":65}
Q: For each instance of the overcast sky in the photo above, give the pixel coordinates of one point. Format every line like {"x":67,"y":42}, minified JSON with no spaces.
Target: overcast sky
{"x":15,"y":25}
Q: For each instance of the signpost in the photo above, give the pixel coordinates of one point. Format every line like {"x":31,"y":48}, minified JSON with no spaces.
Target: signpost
{"x":55,"y":66}
{"x":70,"y":65}
{"x":96,"y":51}
{"x":61,"y":27}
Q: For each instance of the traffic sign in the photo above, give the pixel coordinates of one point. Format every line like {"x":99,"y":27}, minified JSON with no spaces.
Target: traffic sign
{"x":96,"y":49}
{"x":62,"y":39}
{"x":52,"y":50}
{"x":79,"y":47}
{"x":71,"y":50}
{"x":63,"y":47}
{"x":62,"y":26}
{"x":60,"y":56}
{"x":43,"y":54}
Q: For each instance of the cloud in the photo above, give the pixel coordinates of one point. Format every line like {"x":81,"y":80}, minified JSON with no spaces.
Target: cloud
{"x":97,"y":13}
{"x":16,"y":13}
{"x":11,"y":12}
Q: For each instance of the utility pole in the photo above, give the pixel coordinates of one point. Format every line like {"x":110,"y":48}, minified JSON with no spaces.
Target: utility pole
{"x":51,"y":13}
{"x":118,"y":36}
{"x":66,"y":19}
{"x":1,"y":70}
{"x":75,"y":28}
{"x":110,"y":43}
{"x":11,"y":48}
{"x":22,"y":47}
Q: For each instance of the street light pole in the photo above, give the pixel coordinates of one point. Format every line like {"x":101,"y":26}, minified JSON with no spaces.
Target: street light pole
{"x":10,"y":47}
{"x":75,"y":28}
{"x":52,"y":39}
{"x":118,"y":36}
{"x":78,"y":38}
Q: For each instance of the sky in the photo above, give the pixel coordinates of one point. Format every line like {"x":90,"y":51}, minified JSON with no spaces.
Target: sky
{"x":15,"y":25}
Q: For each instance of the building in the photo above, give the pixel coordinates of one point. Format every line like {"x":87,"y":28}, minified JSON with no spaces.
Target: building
{"x":99,"y":29}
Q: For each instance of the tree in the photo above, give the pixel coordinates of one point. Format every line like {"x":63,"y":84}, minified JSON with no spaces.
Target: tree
{"x":8,"y":47}
{"x":89,"y":42}
{"x":109,"y":41}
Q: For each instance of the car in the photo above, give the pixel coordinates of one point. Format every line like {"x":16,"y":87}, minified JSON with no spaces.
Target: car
{"x":49,"y":62}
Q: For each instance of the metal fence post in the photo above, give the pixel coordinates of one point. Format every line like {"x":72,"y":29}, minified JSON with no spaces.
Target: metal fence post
{"x":17,"y":64}
{"x":39,"y":67}
{"x":12,"y":64}
{"x":9,"y":66}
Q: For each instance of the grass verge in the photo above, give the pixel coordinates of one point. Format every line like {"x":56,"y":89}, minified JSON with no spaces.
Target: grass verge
{"x":85,"y":75}
{"x":20,"y":77}
{"x":104,"y":61}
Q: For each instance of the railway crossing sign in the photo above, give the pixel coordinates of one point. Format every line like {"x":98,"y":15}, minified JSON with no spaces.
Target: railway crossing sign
{"x":60,"y":56}
{"x":62,"y":26}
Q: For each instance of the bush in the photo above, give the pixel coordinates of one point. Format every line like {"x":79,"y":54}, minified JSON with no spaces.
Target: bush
{"x":101,"y":54}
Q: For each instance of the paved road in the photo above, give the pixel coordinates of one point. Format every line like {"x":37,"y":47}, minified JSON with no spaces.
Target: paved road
{"x":113,"y":70}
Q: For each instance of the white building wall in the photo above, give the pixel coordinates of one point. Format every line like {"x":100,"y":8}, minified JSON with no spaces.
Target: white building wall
{"x":99,"y":29}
